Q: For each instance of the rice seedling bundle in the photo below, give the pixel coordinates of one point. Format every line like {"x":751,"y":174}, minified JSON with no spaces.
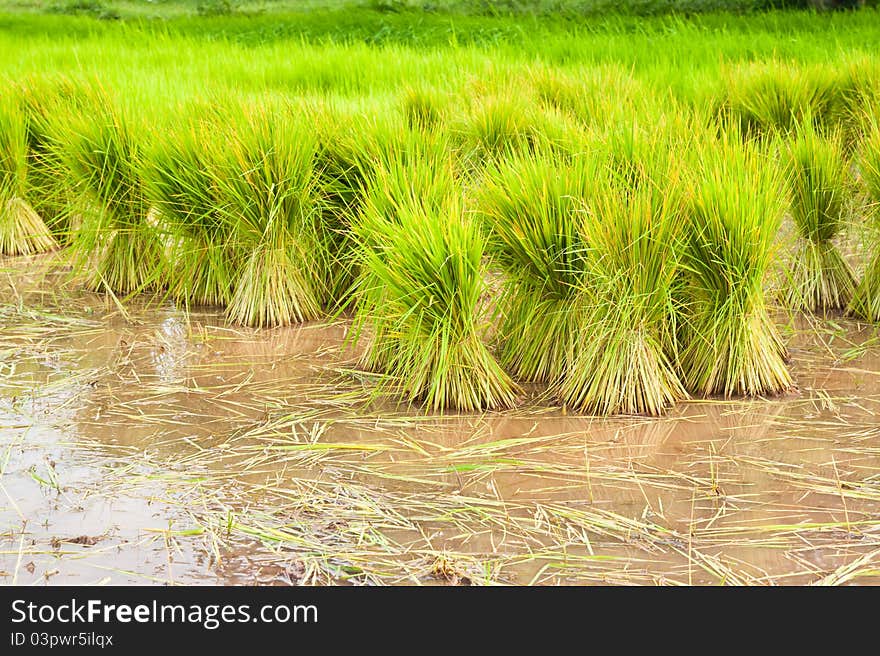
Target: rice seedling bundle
{"x":180,"y":179}
{"x":866,"y":299}
{"x":818,"y":174}
{"x":625,"y":360}
{"x":591,"y":94}
{"x":411,"y":169}
{"x":352,"y":145}
{"x":420,"y":292}
{"x":767,"y":97}
{"x":47,"y":104}
{"x":424,"y":108}
{"x":730,"y":344}
{"x":118,"y":243}
{"x":531,"y":205}
{"x":22,"y":231}
{"x":266,"y":191}
{"x":498,"y":123}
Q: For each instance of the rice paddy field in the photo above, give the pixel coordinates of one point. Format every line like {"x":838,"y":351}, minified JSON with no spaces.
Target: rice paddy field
{"x":460,"y":293}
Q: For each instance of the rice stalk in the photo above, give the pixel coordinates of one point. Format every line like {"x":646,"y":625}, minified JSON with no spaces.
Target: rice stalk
{"x":265,"y":185}
{"x":762,"y":98}
{"x":46,"y":104}
{"x":180,"y":180}
{"x":622,"y":364}
{"x":419,"y":299}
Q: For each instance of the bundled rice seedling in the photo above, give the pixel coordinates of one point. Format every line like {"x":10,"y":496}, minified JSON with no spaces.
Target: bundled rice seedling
{"x":730,"y":343}
{"x":352,"y":143}
{"x":424,"y":108}
{"x":180,"y":178}
{"x":420,"y":291}
{"x":497,"y":124}
{"x":767,"y":97}
{"x":531,"y":204}
{"x":584,"y":94}
{"x":818,"y":174}
{"x":266,"y":191}
{"x":866,"y":299}
{"x":625,"y":357}
{"x":22,"y":231}
{"x":118,"y":244}
{"x":46,"y":104}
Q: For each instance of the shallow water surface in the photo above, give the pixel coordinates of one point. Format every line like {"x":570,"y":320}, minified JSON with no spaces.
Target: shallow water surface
{"x":143,"y":444}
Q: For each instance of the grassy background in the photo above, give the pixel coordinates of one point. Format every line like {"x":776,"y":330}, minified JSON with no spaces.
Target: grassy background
{"x":571,"y":10}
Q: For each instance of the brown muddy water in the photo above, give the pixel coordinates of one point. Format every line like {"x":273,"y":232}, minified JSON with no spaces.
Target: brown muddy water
{"x":143,"y":444}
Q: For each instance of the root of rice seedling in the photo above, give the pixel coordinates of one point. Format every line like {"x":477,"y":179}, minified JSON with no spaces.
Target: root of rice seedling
{"x":118,"y":242}
{"x":730,"y":344}
{"x":265,"y":184}
{"x":821,"y":279}
{"x":866,"y":299}
{"x":531,"y":205}
{"x":420,"y":294}
{"x":22,"y":231}
{"x":622,"y":363}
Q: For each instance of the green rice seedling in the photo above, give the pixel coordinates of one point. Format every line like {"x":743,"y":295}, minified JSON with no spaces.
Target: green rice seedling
{"x":531,"y":203}
{"x":421,"y":299}
{"x":424,"y":108}
{"x":118,"y":244}
{"x":410,"y":169}
{"x":730,"y":343}
{"x":352,"y":144}
{"x":497,"y":124}
{"x":818,"y":175}
{"x":265,"y":185}
{"x":622,"y":363}
{"x":22,"y":231}
{"x":584,"y":93}
{"x":47,"y":104}
{"x":180,"y":179}
{"x":766,"y":97}
{"x":866,"y":299}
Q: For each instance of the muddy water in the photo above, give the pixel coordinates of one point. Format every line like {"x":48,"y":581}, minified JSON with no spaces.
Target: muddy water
{"x":143,"y":444}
